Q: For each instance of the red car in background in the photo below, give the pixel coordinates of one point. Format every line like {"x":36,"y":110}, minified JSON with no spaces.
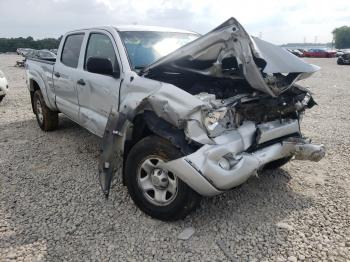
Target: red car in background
{"x":319,"y":53}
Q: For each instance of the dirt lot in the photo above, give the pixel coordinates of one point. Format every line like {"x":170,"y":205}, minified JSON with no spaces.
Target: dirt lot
{"x":51,"y":206}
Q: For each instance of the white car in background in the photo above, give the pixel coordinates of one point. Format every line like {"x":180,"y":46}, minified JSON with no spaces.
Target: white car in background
{"x":3,"y":85}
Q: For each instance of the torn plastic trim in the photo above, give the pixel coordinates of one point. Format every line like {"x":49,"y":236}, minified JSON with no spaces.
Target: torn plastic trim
{"x":111,"y":149}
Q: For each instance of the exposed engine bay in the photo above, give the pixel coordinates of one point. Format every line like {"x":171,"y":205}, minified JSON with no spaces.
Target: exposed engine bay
{"x":233,"y":101}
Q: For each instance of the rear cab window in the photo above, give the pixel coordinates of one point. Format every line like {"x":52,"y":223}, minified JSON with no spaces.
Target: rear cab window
{"x":71,"y":50}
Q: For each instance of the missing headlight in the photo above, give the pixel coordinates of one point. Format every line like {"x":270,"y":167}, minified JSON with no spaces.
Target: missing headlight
{"x":219,"y":120}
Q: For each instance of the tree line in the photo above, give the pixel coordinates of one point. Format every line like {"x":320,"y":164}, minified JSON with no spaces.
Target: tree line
{"x":11,"y":44}
{"x":341,"y":37}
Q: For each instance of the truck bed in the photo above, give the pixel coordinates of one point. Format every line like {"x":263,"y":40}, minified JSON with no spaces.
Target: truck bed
{"x":41,"y":70}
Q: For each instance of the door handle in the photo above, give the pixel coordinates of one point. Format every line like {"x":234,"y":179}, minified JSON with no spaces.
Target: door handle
{"x":81,"y":82}
{"x":57,"y":74}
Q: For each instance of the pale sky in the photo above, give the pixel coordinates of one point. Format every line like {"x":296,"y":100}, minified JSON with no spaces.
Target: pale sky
{"x":277,"y":21}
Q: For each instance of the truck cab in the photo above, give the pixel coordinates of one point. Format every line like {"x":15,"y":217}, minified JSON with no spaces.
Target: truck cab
{"x":86,"y":94}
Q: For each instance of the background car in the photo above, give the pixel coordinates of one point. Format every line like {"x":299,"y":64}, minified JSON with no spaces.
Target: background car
{"x":41,"y":54}
{"x":319,"y":53}
{"x":296,"y":52}
{"x":19,"y":51}
{"x":344,"y":59}
{"x":339,"y":53}
{"x":25,"y":51}
{"x":3,"y":85}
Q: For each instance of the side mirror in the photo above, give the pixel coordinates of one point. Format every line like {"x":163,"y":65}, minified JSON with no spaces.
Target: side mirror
{"x":103,"y":66}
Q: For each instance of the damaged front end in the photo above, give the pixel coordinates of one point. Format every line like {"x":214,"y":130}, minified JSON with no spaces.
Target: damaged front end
{"x":228,"y":101}
{"x":246,"y":132}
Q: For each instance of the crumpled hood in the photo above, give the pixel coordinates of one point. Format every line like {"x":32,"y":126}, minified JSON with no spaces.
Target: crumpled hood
{"x":229,"y":52}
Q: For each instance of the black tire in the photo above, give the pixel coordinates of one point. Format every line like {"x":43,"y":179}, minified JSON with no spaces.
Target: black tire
{"x":185,"y":200}
{"x":1,"y":98}
{"x":47,"y":119}
{"x":277,"y":163}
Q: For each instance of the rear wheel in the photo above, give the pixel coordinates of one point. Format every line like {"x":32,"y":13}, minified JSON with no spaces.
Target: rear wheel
{"x":47,"y":119}
{"x":155,"y":190}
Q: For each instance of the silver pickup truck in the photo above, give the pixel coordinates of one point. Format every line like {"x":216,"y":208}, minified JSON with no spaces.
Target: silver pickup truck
{"x":181,"y":115}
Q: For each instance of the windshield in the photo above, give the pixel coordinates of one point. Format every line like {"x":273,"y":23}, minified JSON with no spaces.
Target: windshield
{"x":144,"y":47}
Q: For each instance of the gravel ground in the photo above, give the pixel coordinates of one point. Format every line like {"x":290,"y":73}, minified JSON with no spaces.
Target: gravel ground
{"x":52,"y":209}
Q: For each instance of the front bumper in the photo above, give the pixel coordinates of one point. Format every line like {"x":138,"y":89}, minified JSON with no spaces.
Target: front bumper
{"x":216,"y":168}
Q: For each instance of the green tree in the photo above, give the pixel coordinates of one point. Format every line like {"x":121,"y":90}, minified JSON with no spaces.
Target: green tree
{"x":341,"y":37}
{"x":11,"y":44}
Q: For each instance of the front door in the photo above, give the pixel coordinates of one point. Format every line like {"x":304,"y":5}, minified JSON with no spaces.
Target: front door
{"x":97,"y":93}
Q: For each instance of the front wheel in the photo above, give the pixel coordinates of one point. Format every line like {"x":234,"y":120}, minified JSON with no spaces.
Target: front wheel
{"x":156,"y":191}
{"x":47,"y":119}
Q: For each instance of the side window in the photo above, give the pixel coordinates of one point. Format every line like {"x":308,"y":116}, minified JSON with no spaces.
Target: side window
{"x":71,"y":50}
{"x":99,"y":45}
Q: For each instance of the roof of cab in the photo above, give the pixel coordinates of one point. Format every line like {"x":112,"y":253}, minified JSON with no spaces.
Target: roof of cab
{"x":123,"y":28}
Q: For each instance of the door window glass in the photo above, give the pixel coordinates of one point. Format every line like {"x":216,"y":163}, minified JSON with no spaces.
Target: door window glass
{"x":71,"y":50}
{"x":100,"y":45}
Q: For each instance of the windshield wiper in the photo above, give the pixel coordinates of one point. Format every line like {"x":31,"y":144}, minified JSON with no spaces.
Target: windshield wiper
{"x":139,"y":67}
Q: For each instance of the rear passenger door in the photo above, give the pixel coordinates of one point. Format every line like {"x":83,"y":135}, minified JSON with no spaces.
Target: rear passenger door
{"x":65,"y":75}
{"x":97,"y":93}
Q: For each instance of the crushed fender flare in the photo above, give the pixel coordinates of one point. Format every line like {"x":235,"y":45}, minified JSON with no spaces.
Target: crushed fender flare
{"x":112,"y":139}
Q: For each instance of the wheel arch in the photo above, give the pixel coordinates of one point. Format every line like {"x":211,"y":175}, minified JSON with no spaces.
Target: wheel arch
{"x":148,"y":123}
{"x":37,"y":83}
{"x":124,"y":131}
{"x":33,"y":86}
